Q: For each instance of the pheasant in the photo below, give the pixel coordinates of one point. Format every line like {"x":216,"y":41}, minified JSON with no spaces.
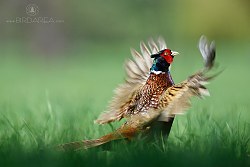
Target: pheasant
{"x":149,"y":94}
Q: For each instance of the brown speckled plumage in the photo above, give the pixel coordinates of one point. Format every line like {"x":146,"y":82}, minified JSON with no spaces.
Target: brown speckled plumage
{"x":149,"y":95}
{"x":146,"y":97}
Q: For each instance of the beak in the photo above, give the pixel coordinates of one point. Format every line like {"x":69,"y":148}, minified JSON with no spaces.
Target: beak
{"x":174,"y":53}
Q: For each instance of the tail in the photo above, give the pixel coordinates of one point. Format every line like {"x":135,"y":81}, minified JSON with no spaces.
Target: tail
{"x":121,"y":133}
{"x":85,"y":144}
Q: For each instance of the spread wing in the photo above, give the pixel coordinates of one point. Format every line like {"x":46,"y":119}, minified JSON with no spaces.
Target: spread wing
{"x":137,"y":72}
{"x":176,"y":99}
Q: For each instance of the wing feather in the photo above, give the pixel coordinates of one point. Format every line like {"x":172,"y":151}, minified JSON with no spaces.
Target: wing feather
{"x":207,"y":51}
{"x":152,"y":45}
{"x":176,"y":99}
{"x":162,"y":43}
{"x":146,"y":54}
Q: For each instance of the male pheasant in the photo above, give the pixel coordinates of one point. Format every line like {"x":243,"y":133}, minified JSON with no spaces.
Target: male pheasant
{"x":149,"y":94}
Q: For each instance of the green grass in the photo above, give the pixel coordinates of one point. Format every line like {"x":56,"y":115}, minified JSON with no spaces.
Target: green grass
{"x":48,"y":103}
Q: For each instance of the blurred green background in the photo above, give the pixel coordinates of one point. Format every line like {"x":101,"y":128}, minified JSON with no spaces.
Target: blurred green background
{"x":56,"y":78}
{"x":92,"y":42}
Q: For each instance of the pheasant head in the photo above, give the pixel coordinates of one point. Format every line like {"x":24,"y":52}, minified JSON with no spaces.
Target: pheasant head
{"x":162,"y":60}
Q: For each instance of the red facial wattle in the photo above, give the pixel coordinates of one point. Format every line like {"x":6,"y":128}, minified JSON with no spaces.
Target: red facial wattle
{"x":169,"y":59}
{"x":167,"y":55}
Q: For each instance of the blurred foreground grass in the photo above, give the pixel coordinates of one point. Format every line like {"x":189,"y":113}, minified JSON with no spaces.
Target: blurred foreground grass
{"x":44,"y":103}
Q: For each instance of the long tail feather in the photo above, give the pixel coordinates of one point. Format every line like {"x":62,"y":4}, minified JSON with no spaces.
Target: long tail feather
{"x":121,"y":133}
{"x":85,"y":144}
